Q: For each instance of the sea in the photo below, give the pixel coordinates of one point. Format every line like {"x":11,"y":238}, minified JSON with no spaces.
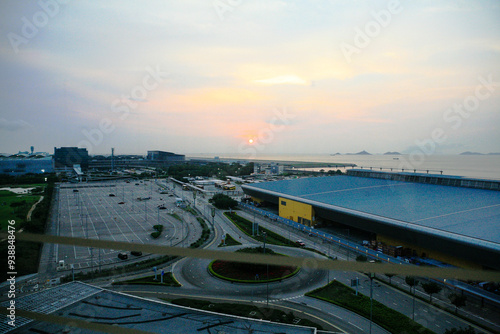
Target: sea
{"x":470,"y":166}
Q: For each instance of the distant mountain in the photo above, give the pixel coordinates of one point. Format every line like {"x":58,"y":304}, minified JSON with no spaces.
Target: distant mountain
{"x":494,"y":153}
{"x":336,"y":153}
{"x":359,"y":153}
{"x":392,"y":153}
{"x":470,"y":153}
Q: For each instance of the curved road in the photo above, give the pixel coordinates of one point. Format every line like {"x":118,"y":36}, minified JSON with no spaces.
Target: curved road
{"x":288,"y":295}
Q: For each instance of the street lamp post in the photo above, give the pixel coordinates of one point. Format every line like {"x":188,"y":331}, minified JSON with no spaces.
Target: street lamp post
{"x":371,"y":300}
{"x":213,"y":218}
{"x":267,"y":271}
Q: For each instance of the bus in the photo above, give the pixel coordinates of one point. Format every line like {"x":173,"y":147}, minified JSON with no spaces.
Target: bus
{"x":229,"y":187}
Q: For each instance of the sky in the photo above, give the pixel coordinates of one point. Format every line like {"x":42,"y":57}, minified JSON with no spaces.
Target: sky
{"x":250,"y":77}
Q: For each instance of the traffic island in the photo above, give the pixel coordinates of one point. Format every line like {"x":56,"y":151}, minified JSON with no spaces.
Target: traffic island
{"x":251,"y":273}
{"x":168,"y":280}
{"x":343,"y":296}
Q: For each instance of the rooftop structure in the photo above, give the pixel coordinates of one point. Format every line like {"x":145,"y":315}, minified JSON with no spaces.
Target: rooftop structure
{"x":442,"y":218}
{"x":85,"y":302}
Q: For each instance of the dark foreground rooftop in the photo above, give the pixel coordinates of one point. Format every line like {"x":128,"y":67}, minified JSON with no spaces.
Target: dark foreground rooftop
{"x":85,"y":302}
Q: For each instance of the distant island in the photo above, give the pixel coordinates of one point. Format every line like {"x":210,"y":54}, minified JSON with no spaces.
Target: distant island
{"x":478,"y":153}
{"x":392,"y":153}
{"x":361,"y":153}
{"x":470,"y":153}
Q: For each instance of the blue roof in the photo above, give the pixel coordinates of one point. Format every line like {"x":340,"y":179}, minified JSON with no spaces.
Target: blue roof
{"x":465,"y":211}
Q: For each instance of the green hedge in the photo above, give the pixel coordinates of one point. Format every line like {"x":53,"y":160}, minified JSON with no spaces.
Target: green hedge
{"x":168,"y":280}
{"x":230,"y":241}
{"x":146,"y":264}
{"x":395,"y":322}
{"x":205,"y":234}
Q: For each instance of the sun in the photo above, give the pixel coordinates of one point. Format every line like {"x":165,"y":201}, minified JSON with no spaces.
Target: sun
{"x":250,"y":141}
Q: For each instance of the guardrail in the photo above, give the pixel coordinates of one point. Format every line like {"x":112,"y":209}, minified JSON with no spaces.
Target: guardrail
{"x":325,"y":236}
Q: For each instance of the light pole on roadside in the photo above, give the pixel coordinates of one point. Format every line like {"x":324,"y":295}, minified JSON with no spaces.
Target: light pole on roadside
{"x":267,"y":271}
{"x":213,"y":218}
{"x":372,"y":275}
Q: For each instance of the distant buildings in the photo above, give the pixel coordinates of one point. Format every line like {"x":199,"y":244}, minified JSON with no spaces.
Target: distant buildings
{"x":75,"y":159}
{"x":268,"y":169}
{"x":70,"y":156}
{"x":20,"y":165}
{"x":162,"y":156}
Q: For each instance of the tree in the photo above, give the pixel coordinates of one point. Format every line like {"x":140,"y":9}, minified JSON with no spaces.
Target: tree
{"x":390,"y":277}
{"x":411,"y":281}
{"x":457,"y":300}
{"x":460,"y":330}
{"x":431,"y":288}
{"x":224,"y":202}
{"x":361,"y":258}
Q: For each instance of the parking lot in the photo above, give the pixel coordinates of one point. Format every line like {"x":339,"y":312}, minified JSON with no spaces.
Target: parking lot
{"x":118,"y":211}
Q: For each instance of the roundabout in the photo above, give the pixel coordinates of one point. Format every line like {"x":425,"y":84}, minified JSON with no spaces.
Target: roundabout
{"x":251,"y":273}
{"x":194,"y":273}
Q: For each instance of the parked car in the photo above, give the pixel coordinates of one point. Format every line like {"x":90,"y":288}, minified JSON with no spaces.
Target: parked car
{"x":112,"y":195}
{"x":122,"y":256}
{"x":300,"y":243}
{"x":136,"y":253}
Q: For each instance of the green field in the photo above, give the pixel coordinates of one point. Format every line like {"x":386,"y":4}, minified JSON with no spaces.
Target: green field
{"x":390,"y":319}
{"x":246,"y":227}
{"x":16,"y":206}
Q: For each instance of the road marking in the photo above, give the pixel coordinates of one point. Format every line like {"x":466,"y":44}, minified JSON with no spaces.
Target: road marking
{"x":361,"y":329}
{"x":336,"y":316}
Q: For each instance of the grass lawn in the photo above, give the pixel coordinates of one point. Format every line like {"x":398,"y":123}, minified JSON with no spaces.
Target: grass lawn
{"x":342,"y":295}
{"x":15,"y":206}
{"x":246,"y":226}
{"x":230,"y":241}
{"x":248,"y":311}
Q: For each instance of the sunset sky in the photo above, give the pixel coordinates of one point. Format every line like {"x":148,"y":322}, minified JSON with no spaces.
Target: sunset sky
{"x":294,"y":77}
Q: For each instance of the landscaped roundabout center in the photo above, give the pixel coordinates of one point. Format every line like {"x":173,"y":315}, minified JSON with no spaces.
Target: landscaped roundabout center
{"x":249,"y":272}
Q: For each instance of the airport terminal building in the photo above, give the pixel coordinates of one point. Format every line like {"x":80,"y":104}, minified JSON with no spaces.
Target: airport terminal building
{"x":457,"y":223}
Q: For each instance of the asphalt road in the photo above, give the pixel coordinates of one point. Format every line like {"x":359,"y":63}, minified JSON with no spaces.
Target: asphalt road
{"x":197,"y":282}
{"x":193,"y":273}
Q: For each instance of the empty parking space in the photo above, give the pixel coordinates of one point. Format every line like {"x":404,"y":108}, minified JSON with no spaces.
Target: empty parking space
{"x":118,"y":211}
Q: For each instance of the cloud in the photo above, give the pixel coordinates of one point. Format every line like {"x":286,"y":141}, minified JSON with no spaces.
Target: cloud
{"x":13,"y":125}
{"x":283,"y":80}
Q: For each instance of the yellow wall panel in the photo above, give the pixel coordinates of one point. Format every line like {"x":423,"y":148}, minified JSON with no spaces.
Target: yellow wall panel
{"x":296,"y":211}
